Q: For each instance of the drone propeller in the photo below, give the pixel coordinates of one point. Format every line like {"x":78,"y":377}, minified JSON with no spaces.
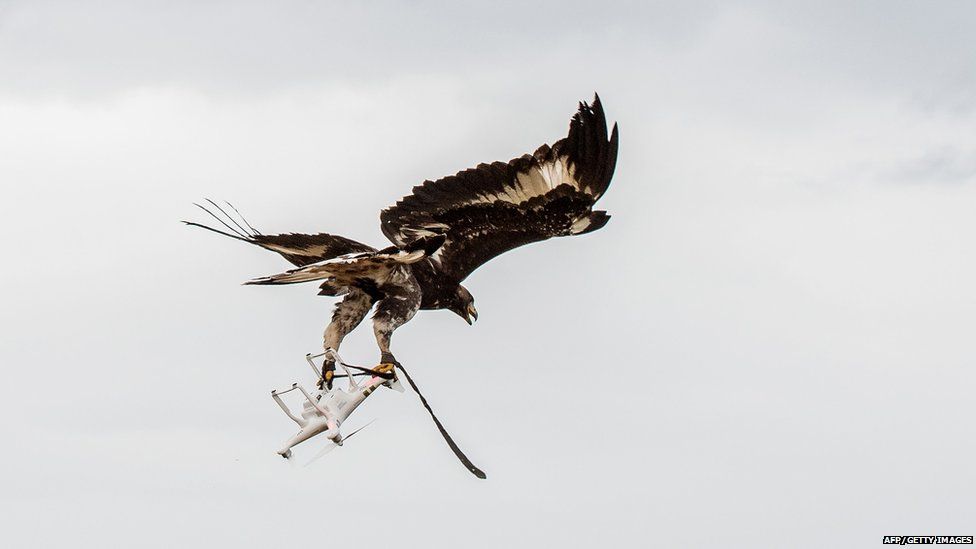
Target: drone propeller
{"x":332,"y":446}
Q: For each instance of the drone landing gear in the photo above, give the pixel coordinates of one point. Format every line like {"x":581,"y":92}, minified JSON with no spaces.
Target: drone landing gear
{"x":324,"y":410}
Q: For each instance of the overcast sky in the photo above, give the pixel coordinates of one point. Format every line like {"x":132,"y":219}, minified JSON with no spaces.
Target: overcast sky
{"x":769,"y":345}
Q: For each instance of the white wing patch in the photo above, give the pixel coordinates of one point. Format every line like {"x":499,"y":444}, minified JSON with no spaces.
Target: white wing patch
{"x":538,"y":181}
{"x":580,"y":225}
{"x":542,"y":179}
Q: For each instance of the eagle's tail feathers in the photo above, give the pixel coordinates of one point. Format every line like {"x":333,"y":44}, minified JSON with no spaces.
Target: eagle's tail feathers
{"x":244,"y":219}
{"x":237,"y":231}
{"x":293,"y":276}
{"x":215,"y":230}
{"x":229,"y":217}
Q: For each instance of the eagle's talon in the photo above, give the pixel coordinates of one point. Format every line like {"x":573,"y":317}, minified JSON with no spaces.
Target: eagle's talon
{"x":328,"y":373}
{"x":388,"y":364}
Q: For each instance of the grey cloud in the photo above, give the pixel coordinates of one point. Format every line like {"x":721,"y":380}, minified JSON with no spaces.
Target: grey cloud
{"x":248,"y":47}
{"x":954,"y":96}
{"x":945,"y":165}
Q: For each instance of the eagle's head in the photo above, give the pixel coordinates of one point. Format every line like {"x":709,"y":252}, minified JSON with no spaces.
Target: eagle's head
{"x":462,"y":303}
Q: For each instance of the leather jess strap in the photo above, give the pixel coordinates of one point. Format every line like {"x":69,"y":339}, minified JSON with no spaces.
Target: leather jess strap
{"x":447,"y":438}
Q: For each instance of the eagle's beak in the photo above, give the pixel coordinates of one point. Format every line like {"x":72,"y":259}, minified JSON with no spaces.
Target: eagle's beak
{"x":471,"y":313}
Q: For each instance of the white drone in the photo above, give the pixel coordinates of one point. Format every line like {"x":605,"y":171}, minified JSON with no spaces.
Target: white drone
{"x":325,"y":412}
{"x":325,"y":409}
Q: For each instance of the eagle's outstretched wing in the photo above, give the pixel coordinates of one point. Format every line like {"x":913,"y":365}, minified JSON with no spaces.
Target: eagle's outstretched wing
{"x":488,"y":210}
{"x":298,"y":249}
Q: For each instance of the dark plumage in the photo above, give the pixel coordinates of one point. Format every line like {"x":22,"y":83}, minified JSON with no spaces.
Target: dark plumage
{"x":447,"y":228}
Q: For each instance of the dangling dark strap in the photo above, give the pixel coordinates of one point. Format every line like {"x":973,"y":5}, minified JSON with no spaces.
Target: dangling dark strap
{"x":370,"y":371}
{"x":447,"y":438}
{"x":362,"y":372}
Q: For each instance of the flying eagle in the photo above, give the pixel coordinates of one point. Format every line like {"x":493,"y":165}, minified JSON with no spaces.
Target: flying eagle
{"x":445,"y":230}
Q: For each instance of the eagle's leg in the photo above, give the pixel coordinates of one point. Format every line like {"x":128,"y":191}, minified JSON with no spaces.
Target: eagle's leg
{"x":400,"y":302}
{"x":348,"y":314}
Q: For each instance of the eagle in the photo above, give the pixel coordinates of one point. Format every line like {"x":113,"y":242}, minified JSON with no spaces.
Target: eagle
{"x":443,"y":231}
